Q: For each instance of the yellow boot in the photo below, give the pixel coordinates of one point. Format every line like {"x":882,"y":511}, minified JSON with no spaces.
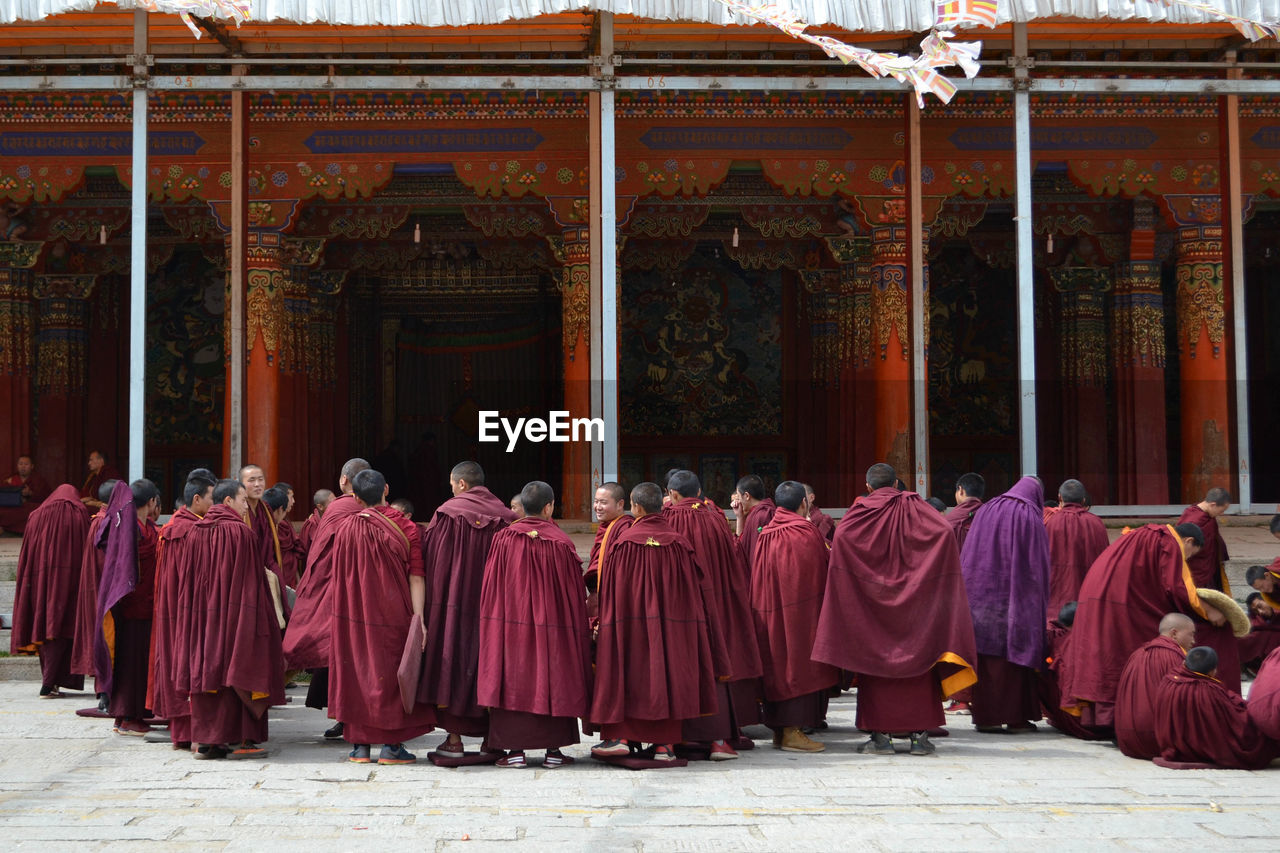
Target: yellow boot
{"x":794,"y":740}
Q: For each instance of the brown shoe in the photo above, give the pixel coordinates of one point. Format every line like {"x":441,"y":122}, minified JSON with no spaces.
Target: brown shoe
{"x":794,"y":740}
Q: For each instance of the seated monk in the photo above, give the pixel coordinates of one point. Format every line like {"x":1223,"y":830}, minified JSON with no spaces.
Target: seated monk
{"x":1199,"y":720}
{"x":1265,"y":580}
{"x":1057,"y":637}
{"x":1264,"y":697}
{"x":32,"y":490}
{"x":1264,"y":634}
{"x":1140,"y":681}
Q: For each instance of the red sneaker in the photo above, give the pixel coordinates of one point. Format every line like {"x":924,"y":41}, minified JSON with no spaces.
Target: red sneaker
{"x":132,"y":727}
{"x":721,"y":751}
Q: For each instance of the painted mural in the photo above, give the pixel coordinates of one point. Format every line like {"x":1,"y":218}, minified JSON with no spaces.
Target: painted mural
{"x":185,"y":356}
{"x":702,"y":355}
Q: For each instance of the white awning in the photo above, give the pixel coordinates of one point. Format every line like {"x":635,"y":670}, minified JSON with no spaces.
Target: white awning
{"x":852,"y":15}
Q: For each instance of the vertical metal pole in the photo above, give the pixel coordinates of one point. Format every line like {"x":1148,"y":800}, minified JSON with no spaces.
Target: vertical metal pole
{"x":138,"y":255}
{"x":237,"y":270}
{"x":1026,"y":270}
{"x":1234,"y":219}
{"x":919,"y":300}
{"x":604,"y":264}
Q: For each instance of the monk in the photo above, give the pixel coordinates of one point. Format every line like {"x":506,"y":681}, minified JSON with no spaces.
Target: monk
{"x":446,"y":597}
{"x":319,"y":501}
{"x":235,"y":668}
{"x":170,"y":638}
{"x":126,"y":599}
{"x":44,"y":604}
{"x":754,"y":510}
{"x":1057,"y":638}
{"x":1139,"y":578}
{"x":277,"y":504}
{"x":788,"y":580}
{"x":1264,"y":697}
{"x":306,"y":642}
{"x":730,"y":618}
{"x":82,"y":658}
{"x":1005,"y":562}
{"x":1140,"y":681}
{"x":517,"y":508}
{"x":1076,"y":538}
{"x":99,"y":473}
{"x":825,"y":524}
{"x":894,"y":613}
{"x":610,"y":507}
{"x":535,"y":647}
{"x":32,"y":490}
{"x":1266,"y":581}
{"x":1209,"y":565}
{"x":260,"y":521}
{"x":657,"y":658}
{"x":373,"y":550}
{"x":1199,"y":720}
{"x":1264,"y":632}
{"x":970,"y":489}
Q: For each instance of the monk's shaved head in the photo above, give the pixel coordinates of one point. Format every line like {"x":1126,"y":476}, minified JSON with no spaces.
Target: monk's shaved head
{"x":369,"y":487}
{"x":752,"y":485}
{"x":322,"y":497}
{"x":789,"y":495}
{"x":467,"y":472}
{"x":685,"y":484}
{"x":881,"y":475}
{"x":647,"y":497}
{"x":105,"y":490}
{"x":1172,"y":621}
{"x":536,"y":496}
{"x":1203,"y":660}
{"x":353,"y":467}
{"x":1072,"y":492}
{"x":614,"y":490}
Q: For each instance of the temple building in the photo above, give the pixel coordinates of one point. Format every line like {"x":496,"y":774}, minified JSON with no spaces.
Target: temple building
{"x":352,"y":235}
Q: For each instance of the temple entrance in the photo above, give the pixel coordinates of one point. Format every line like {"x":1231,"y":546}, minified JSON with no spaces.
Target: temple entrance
{"x":1262,"y":255}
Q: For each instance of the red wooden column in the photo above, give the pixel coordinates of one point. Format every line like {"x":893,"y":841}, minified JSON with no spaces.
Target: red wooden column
{"x":1083,"y":373}
{"x":574,"y":252}
{"x":1202,"y":359}
{"x":891,"y":360}
{"x":302,"y":254}
{"x":62,"y":367}
{"x":17,"y":334}
{"x":325,"y":409}
{"x":1138,"y":351}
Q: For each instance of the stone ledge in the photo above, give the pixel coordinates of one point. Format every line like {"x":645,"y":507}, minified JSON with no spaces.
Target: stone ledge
{"x":20,"y":668}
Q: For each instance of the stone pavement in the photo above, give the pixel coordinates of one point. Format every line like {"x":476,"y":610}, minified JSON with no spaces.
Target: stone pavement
{"x":69,"y":783}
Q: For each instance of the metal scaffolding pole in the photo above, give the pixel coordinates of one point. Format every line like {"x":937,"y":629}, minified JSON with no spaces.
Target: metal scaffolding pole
{"x":1026,"y":271}
{"x":1234,"y":218}
{"x":138,"y":256}
{"x":919,"y":301}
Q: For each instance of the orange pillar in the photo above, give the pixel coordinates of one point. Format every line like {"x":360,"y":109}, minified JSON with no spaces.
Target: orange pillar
{"x":575,"y":316}
{"x":890,"y":309}
{"x":1206,"y":456}
{"x":856,"y":390}
{"x":1139,"y":358}
{"x":265,"y":328}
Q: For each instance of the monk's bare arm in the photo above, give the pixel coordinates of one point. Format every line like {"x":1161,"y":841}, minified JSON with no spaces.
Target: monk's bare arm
{"x":418,"y":596}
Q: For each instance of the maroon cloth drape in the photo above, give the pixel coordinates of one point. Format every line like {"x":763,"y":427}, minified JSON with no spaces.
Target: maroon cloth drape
{"x":535,"y":649}
{"x":44,"y":603}
{"x":761,"y":514}
{"x":169,"y":641}
{"x":1076,"y":538}
{"x":960,"y":517}
{"x":307,"y":535}
{"x":826,"y":526}
{"x":655,"y":653}
{"x":306,"y":640}
{"x":788,"y":579}
{"x":1140,"y":681}
{"x":1197,"y":719}
{"x":895,"y":604}
{"x":87,"y":601}
{"x":1209,"y":564}
{"x":1057,"y":638}
{"x":605,"y":534}
{"x":118,"y":540}
{"x":264,"y":533}
{"x":235,"y":635}
{"x":1263,"y":638}
{"x":93,"y":482}
{"x":140,"y":604}
{"x":291,"y":553}
{"x":713,"y":550}
{"x":454,"y":549}
{"x":370,"y":614}
{"x":1264,"y":696}
{"x":1130,"y":587}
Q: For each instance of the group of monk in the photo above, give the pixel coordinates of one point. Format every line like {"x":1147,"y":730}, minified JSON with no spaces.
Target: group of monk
{"x":685,"y":627}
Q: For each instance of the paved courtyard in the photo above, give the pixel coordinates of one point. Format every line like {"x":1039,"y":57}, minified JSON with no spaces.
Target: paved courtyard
{"x":68,"y":782}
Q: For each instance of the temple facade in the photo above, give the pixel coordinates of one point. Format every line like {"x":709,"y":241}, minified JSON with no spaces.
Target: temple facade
{"x":410,"y":254}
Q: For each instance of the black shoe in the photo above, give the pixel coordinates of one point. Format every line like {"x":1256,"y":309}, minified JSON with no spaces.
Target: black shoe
{"x":879,"y":744}
{"x":334,"y":733}
{"x":103,"y":702}
{"x":920,"y":744}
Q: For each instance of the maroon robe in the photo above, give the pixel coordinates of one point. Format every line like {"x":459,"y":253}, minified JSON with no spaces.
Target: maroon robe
{"x":454,"y":550}
{"x":370,"y":612}
{"x":94,"y":481}
{"x":1197,"y":719}
{"x":132,"y":625}
{"x":1136,"y":695}
{"x":656,"y":656}
{"x":169,"y":623}
{"x":1130,"y":587}
{"x":788,"y":579}
{"x":235,"y":668}
{"x":44,"y":604}
{"x":1263,"y":638}
{"x":535,"y":648}
{"x":14,"y":519}
{"x":306,"y":642}
{"x":759,"y":516}
{"x":1264,"y":697}
{"x":826,"y":526}
{"x":1076,"y":538}
{"x":895,"y":612}
{"x":605,"y":534}
{"x":291,"y":553}
{"x":1209,"y":564}
{"x":265,"y":532}
{"x":960,"y":517}
{"x":1057,"y":638}
{"x":82,"y":662}
{"x":306,"y":536}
